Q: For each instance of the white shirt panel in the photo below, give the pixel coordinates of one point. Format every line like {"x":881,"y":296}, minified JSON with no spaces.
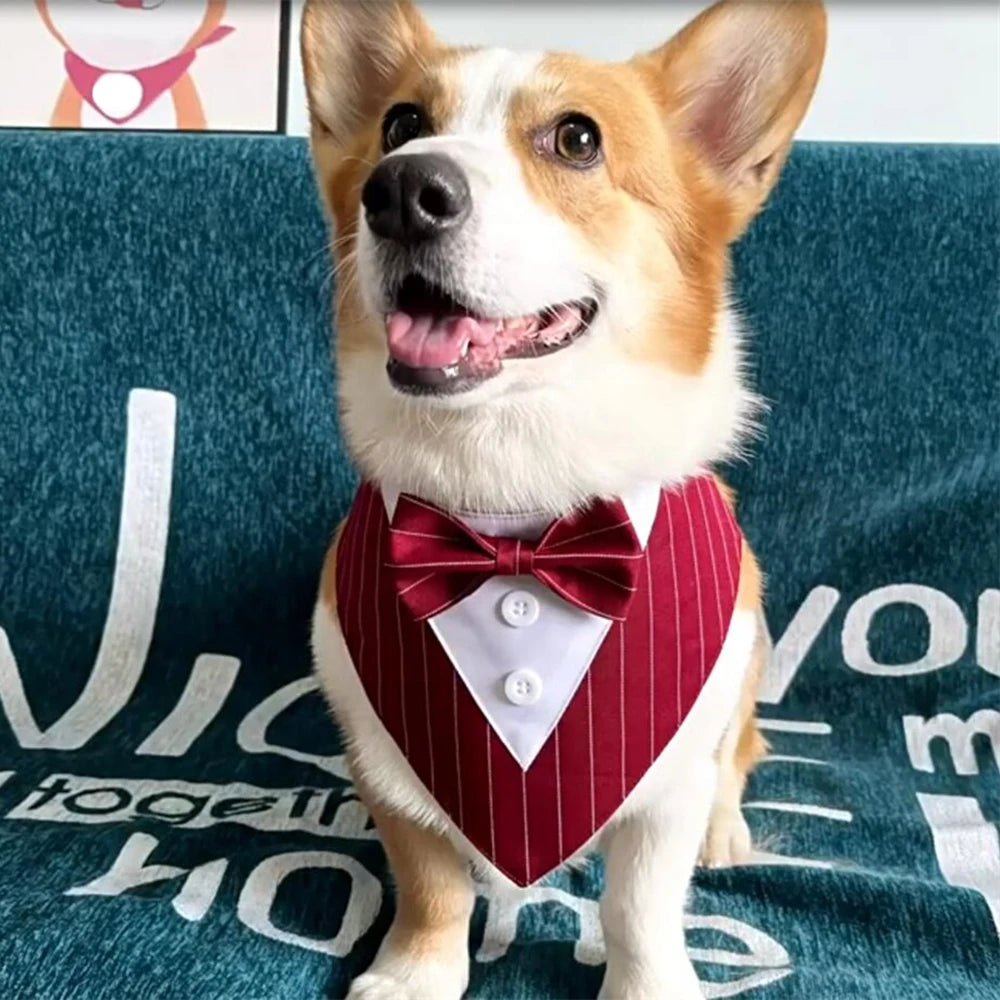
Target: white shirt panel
{"x":548,"y":657}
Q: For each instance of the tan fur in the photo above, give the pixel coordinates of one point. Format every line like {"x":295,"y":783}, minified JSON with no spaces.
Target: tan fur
{"x":745,"y":147}
{"x":645,"y":201}
{"x":435,"y":896}
{"x":352,"y":62}
{"x":727,"y":840}
{"x":750,"y":746}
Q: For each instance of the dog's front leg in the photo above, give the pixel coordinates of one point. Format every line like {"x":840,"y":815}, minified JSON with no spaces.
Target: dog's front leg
{"x":425,"y":955}
{"x":649,"y":858}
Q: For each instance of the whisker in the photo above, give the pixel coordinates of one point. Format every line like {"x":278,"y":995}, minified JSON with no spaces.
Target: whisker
{"x":341,"y":242}
{"x":359,"y":159}
{"x":348,"y":260}
{"x":348,"y":279}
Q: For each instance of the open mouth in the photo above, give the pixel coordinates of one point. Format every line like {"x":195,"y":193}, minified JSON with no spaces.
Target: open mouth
{"x":438,"y":346}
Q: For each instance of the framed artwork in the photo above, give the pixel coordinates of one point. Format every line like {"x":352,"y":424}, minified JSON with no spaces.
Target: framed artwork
{"x":189,"y":65}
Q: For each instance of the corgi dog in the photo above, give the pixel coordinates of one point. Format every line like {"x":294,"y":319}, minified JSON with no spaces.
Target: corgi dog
{"x":127,"y":61}
{"x":538,"y":627}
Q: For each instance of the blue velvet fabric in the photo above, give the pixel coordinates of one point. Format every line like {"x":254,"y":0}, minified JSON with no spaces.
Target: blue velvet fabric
{"x":173,"y":292}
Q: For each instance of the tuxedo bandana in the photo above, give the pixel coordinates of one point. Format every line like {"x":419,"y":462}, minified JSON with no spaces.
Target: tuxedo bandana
{"x":444,"y":624}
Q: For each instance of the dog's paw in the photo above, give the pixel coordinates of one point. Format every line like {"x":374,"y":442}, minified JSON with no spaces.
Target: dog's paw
{"x":372,"y":986}
{"x":727,"y":841}
{"x":666,"y":974}
{"x":423,"y":986}
{"x":405,"y":976}
{"x":638,"y":984}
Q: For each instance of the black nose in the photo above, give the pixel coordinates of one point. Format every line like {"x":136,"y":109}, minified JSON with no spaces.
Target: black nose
{"x":411,"y":198}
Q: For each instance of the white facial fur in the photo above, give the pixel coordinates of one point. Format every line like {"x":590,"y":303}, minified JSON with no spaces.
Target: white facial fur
{"x":511,"y":257}
{"x":546,"y":433}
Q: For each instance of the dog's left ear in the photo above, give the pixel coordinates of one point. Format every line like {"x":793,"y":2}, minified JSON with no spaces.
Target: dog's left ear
{"x":736,"y":82}
{"x":352,"y":54}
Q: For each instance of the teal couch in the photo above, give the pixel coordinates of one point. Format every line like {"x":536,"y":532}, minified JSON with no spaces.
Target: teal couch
{"x":175,"y":817}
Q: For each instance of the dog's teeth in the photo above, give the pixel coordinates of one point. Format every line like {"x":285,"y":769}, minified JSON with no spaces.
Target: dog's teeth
{"x":465,"y":348}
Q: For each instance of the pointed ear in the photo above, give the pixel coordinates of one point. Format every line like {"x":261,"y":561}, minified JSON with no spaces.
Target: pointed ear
{"x":353,"y":52}
{"x":736,"y":82}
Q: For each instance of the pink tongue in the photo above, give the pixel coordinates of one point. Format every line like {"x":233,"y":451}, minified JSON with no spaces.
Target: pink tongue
{"x":426,"y":341}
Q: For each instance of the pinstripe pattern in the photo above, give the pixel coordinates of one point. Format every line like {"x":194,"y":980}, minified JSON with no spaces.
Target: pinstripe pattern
{"x":698,"y":583}
{"x":489,"y":791}
{"x":527,"y":832}
{"x":379,"y":570}
{"x":709,"y":528}
{"x":559,"y":803}
{"x":427,"y":715}
{"x":458,"y":748}
{"x":590,"y":750}
{"x":715,"y":501}
{"x":640,"y":685}
{"x":402,"y":675}
{"x":359,"y":603}
{"x":675,"y":602}
{"x":621,"y":703}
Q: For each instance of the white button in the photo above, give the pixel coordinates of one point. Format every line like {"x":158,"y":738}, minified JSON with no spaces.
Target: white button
{"x":522,"y":687}
{"x":519,"y":608}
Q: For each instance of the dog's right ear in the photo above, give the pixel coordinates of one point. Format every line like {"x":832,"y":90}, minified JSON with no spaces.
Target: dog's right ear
{"x":735,"y":84}
{"x":353,"y":53}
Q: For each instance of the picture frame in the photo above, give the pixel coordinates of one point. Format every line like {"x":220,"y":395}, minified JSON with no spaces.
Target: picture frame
{"x":146,"y":65}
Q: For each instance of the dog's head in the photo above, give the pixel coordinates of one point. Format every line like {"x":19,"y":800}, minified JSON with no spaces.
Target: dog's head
{"x":123,"y":34}
{"x":532,"y":250}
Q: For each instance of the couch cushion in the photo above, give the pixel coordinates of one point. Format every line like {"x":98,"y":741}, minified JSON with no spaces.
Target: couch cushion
{"x":175,"y":818}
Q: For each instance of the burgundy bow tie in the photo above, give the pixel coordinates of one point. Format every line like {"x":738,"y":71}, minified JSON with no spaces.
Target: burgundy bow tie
{"x":590,"y":558}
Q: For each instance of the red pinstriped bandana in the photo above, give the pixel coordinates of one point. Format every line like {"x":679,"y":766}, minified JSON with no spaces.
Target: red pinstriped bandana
{"x":664,"y":612}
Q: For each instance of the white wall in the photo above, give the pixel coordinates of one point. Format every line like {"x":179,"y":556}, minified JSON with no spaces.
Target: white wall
{"x":895,"y":71}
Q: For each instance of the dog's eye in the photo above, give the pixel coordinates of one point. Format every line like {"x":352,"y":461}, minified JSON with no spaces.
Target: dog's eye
{"x":578,"y":140}
{"x":402,"y":123}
